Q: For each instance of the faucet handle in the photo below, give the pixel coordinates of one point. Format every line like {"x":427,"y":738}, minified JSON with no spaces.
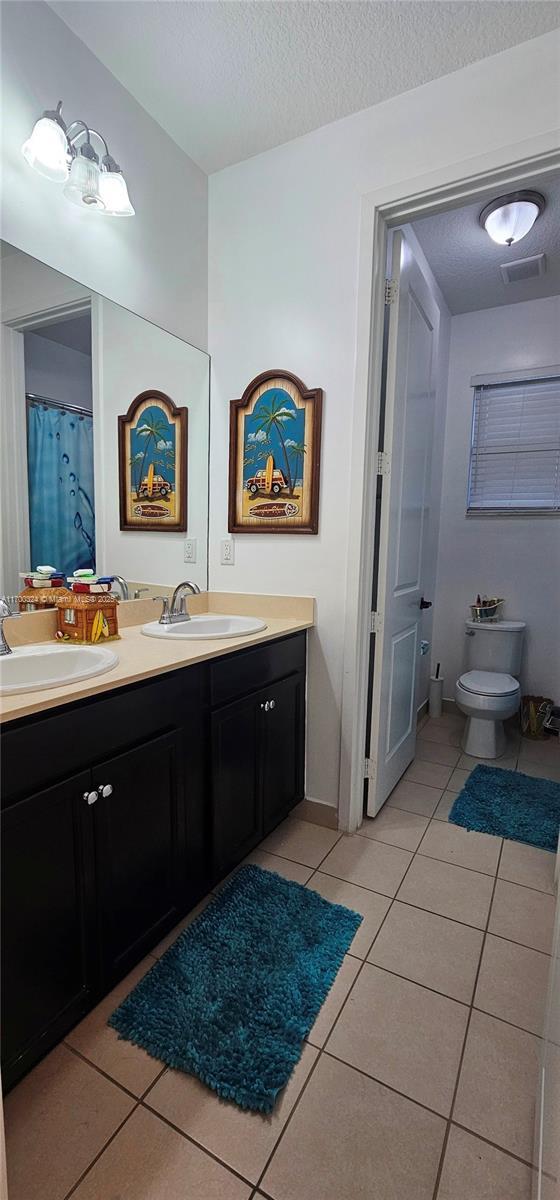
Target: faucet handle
{"x":6,"y":609}
{"x":138,"y":591}
{"x":164,"y":619}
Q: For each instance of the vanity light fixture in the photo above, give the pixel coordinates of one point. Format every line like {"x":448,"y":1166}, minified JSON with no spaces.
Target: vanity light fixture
{"x":53,"y":150}
{"x":46,"y":150}
{"x":509,"y":218}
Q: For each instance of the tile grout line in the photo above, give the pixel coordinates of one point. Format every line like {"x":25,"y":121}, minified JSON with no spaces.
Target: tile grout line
{"x":323,"y":1049}
{"x":420,"y":1104}
{"x":188,"y":1137}
{"x":465,"y":1039}
{"x":464,"y":1003}
{"x":100,"y":1071}
{"x":320,"y":1051}
{"x":138,"y":1101}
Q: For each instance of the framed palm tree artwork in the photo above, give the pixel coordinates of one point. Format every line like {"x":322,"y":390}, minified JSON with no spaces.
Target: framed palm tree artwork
{"x":274,"y":456}
{"x":153,"y":464}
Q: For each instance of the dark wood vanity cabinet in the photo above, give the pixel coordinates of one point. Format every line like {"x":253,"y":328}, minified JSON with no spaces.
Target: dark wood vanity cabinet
{"x":118,"y":812}
{"x":140,"y":851}
{"x":253,"y":791}
{"x":48,"y":942}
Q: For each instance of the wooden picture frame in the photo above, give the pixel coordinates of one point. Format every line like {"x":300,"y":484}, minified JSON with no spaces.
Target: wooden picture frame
{"x":152,"y":499}
{"x":274,"y":479}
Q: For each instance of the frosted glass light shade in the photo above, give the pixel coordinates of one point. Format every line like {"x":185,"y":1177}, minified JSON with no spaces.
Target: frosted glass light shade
{"x":82,"y":187}
{"x":510,"y":218}
{"x":47,"y":150}
{"x":114,"y":193}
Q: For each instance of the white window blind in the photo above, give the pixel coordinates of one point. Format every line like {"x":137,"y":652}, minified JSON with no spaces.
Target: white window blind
{"x":515,"y":447}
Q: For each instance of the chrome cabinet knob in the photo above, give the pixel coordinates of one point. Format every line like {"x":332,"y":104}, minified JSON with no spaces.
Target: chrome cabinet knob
{"x":266,"y":705}
{"x":272,"y":704}
{"x":91,"y":797}
{"x":104,"y":790}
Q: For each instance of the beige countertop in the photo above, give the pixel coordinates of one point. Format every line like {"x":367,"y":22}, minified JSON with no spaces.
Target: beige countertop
{"x":143,"y":657}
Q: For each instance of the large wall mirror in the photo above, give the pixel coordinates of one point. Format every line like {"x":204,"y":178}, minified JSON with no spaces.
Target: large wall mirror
{"x":72,"y":363}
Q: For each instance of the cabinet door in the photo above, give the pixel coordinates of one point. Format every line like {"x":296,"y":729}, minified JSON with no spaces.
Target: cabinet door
{"x":139,"y":834}
{"x":282,"y":749}
{"x":236,"y":806}
{"x":48,"y":943}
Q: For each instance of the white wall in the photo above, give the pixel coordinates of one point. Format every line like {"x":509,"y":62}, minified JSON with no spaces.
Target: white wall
{"x":130,"y":356}
{"x":154,"y":263}
{"x":283,"y":265}
{"x":57,"y":372}
{"x":515,"y":557}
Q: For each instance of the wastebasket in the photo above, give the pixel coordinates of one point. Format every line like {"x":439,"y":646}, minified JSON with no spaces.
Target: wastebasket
{"x":532,"y":715}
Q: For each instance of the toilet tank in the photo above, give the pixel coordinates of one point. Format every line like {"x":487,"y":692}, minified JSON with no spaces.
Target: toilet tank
{"x":495,"y":646}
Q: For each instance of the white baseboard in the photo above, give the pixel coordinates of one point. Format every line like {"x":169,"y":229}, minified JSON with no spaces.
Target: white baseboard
{"x":317,"y":812}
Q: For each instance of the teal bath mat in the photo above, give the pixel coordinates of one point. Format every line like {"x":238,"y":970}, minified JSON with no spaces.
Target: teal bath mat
{"x":511,"y":805}
{"x":233,"y":998}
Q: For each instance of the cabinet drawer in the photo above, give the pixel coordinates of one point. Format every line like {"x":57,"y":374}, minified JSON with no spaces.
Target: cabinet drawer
{"x":42,"y":750}
{"x":250,"y":670}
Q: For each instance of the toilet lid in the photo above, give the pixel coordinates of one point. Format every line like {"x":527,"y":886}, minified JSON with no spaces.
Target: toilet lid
{"x":489,"y":683}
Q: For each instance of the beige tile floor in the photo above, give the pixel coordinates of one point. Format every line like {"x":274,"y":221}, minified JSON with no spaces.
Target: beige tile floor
{"x":418,"y":1079}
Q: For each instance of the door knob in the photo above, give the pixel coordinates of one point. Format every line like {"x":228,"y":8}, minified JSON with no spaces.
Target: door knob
{"x":91,"y":797}
{"x":425,"y":603}
{"x":104,"y":790}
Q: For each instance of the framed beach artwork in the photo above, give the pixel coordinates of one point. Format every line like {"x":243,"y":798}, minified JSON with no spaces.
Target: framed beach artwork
{"x":274,"y":456}
{"x":153,"y":464}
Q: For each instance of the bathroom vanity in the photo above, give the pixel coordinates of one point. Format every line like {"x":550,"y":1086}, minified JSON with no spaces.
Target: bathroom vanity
{"x":121,"y":809}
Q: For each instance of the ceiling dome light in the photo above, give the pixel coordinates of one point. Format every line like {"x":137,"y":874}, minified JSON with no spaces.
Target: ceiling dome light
{"x":83,"y":183}
{"x":113,"y":190}
{"x":47,"y":148}
{"x":509,"y":218}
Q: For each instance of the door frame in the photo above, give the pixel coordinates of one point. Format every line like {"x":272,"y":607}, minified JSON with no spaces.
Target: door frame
{"x":473,"y":179}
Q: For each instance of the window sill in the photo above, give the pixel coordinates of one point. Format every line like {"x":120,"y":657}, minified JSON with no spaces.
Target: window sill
{"x":508,"y":513}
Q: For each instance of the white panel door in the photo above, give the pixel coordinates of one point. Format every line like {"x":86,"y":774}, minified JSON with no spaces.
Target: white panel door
{"x":409,"y":417}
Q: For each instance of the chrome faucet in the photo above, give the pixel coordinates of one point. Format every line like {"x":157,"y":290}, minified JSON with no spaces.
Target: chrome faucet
{"x":123,"y":586}
{"x":176,"y":611}
{"x":5,"y":611}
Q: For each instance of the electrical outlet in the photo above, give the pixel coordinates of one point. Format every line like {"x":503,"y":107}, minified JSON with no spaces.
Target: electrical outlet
{"x":190,"y":550}
{"x":227,"y":557}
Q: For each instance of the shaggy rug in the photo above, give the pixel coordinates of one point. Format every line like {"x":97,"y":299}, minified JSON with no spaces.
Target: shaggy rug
{"x":511,"y":805}
{"x":233,"y":998}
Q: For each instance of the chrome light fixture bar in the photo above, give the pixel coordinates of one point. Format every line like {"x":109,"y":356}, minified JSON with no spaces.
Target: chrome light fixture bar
{"x":510,"y":218}
{"x":53,"y":151}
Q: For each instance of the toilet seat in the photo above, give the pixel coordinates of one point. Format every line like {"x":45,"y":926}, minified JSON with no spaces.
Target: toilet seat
{"x":488,"y":683}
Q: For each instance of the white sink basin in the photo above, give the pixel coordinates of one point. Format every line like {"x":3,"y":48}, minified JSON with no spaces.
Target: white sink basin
{"x":31,"y":668}
{"x":206,"y":626}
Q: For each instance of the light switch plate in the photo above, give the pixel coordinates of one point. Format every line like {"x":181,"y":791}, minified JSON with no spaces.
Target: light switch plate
{"x":190,"y":550}
{"x":227,"y":557}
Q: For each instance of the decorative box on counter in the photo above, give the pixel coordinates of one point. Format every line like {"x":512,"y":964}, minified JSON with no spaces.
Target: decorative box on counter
{"x":88,"y":612}
{"x":87,"y":617}
{"x":43,"y":587}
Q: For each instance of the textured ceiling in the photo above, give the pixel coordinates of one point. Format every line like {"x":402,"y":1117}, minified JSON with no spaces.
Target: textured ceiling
{"x":466,"y":262}
{"x":230,"y":79}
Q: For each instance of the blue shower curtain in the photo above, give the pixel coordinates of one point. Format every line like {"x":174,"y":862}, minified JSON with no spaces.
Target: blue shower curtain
{"x":61,"y":499}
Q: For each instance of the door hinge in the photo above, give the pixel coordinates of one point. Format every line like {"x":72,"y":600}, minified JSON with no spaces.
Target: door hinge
{"x":370,"y":768}
{"x":376,"y":622}
{"x":391,"y":290}
{"x":383,"y":463}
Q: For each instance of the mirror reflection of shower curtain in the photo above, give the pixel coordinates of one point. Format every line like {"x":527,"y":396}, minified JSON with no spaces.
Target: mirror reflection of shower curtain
{"x":61,"y":497}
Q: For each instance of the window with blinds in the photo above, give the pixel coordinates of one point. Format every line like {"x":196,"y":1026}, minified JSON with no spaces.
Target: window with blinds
{"x":515,"y":447}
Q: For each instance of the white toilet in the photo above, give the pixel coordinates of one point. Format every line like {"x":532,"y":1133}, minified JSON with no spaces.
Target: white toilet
{"x":488,"y":693}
